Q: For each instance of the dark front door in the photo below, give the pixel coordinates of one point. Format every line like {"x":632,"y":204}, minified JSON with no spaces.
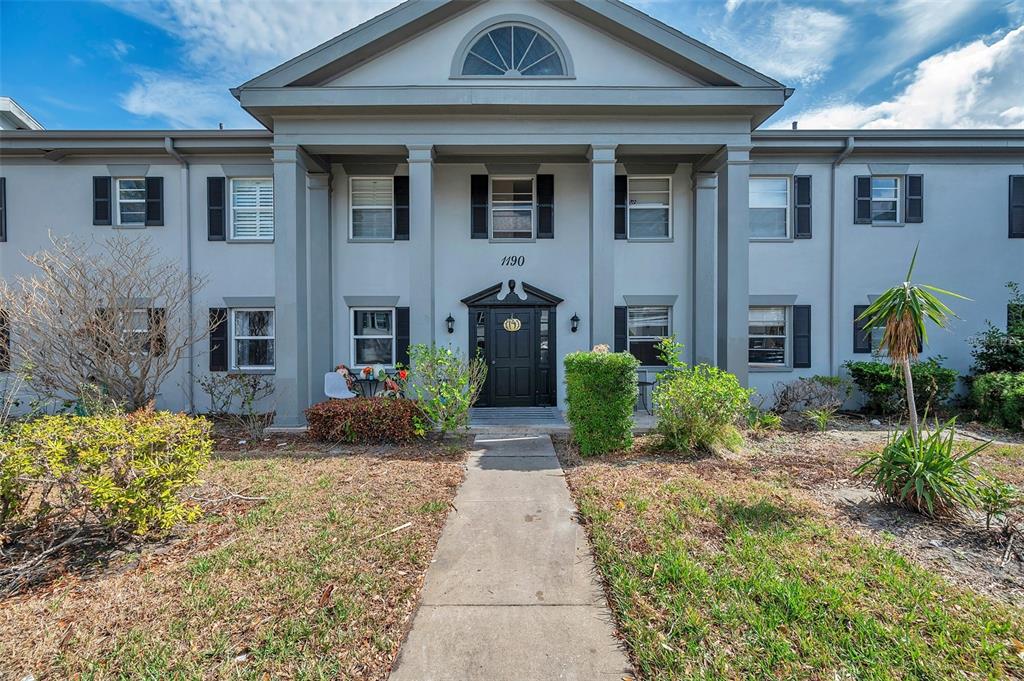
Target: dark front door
{"x":512,"y":369}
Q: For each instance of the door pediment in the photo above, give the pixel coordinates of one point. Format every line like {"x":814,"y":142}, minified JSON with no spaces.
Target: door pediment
{"x":518,"y":294}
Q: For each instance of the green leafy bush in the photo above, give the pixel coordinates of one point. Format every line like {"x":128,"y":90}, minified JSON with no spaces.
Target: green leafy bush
{"x":364,"y":420}
{"x":761,"y":421}
{"x":123,"y":471}
{"x":995,"y":350}
{"x":601,"y":392}
{"x":446,"y":384}
{"x":997,"y":498}
{"x":999,"y":398}
{"x":925,"y":474}
{"x":697,"y":407}
{"x":883,"y":386}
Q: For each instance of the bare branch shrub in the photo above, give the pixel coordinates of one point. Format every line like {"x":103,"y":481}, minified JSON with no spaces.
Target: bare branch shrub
{"x":110,"y":321}
{"x":236,"y":397}
{"x":813,"y":393}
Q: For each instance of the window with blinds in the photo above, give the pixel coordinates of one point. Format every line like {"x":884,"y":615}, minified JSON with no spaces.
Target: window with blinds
{"x":252,"y":208}
{"x":373,"y":212}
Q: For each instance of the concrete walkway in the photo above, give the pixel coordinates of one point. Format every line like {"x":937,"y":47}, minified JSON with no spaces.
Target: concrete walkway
{"x":512,"y":594}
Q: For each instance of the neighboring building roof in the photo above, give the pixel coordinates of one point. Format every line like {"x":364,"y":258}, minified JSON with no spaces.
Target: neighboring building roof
{"x":58,"y":144}
{"x":13,"y":117}
{"x":997,"y":141}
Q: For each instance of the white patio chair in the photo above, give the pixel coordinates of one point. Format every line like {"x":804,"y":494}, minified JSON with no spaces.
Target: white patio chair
{"x":335,"y":386}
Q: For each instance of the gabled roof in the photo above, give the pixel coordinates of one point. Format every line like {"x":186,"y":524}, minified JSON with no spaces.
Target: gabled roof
{"x":413,"y":17}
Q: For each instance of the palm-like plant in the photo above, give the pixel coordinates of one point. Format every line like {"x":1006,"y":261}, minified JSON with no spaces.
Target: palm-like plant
{"x":903,"y":311}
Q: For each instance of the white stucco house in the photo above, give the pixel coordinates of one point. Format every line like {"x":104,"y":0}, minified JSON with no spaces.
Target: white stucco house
{"x":573,"y":164}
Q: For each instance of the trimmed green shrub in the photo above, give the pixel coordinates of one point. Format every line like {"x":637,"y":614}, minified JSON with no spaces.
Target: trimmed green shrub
{"x":697,"y":407}
{"x":882,"y":385}
{"x":123,"y":471}
{"x":999,"y":398}
{"x":925,"y":474}
{"x":364,"y":420}
{"x":601,"y":392}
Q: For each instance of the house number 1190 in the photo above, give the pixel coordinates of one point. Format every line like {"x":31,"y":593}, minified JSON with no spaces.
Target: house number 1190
{"x":513,"y":261}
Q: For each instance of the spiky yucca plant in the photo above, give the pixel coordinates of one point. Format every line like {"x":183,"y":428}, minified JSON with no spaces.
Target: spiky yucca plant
{"x":902,"y":311}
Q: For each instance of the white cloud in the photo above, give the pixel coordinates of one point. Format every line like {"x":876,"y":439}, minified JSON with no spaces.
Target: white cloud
{"x":184,"y":102}
{"x":978,"y":85}
{"x":796,"y":44}
{"x":119,"y":49}
{"x":234,"y":41}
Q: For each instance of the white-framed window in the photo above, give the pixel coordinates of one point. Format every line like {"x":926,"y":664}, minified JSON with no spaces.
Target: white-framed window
{"x":649,"y":203}
{"x":131,"y":201}
{"x":770,"y":207}
{"x":252,"y":339}
{"x":646,"y":325}
{"x":252,"y":208}
{"x":372,"y":201}
{"x":885,"y":199}
{"x":512,"y":213}
{"x":768,"y":336}
{"x":513,"y":50}
{"x":137,"y":324}
{"x":373,"y":336}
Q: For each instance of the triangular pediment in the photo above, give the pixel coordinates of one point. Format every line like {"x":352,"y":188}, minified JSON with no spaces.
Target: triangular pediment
{"x":642,"y":50}
{"x":511,"y":293}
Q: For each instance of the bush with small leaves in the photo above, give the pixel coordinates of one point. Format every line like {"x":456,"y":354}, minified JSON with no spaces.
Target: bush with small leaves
{"x":997,"y":498}
{"x":365,"y":420}
{"x":697,"y":407}
{"x":999,"y":398}
{"x":883,"y":387}
{"x":121,"y":471}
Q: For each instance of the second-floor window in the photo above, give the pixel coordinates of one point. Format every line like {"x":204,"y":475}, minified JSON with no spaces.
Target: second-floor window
{"x":885,"y":199}
{"x":769,"y":207}
{"x":649,"y":214}
{"x":131,"y":201}
{"x":512,"y":212}
{"x":252,"y":209}
{"x":373,"y":209}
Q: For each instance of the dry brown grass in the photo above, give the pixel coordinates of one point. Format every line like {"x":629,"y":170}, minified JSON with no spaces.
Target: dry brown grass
{"x":294,"y":586}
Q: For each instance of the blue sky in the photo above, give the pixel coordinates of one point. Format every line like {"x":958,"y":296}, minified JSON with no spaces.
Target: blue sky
{"x":854,"y":63}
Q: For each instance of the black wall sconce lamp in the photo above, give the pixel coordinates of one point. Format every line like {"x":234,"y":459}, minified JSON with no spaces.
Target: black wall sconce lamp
{"x":575,"y":321}
{"x":451,"y":324}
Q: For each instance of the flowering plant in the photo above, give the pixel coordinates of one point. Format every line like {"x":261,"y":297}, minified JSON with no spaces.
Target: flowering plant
{"x":344,"y":371}
{"x":367,"y":371}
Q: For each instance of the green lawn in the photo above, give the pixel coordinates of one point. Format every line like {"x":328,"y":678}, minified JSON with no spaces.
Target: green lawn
{"x":299,"y":586}
{"x":713,"y":574}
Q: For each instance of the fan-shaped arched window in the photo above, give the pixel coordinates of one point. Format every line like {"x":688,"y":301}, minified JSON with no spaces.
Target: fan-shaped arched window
{"x":513,"y":50}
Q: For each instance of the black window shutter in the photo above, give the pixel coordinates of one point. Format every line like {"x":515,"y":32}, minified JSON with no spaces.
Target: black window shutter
{"x":1017,"y":206}
{"x":621,"y":193}
{"x":218,"y":338}
{"x":215,"y":213}
{"x":620,"y":328}
{"x":479,"y":187}
{"x":5,"y":342}
{"x":801,"y":336}
{"x":101,"y":213}
{"x":913,"y":204}
{"x":861,"y":336}
{"x":545,"y":206}
{"x":402,"y":336}
{"x":154,"y":201}
{"x":157,"y":331}
{"x":802,"y":207}
{"x":3,"y":209}
{"x":401,"y":191}
{"x":862,"y":200}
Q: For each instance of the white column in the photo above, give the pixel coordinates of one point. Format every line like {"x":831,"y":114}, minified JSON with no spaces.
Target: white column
{"x":602,"y":243}
{"x":421,"y":241}
{"x":291,"y":318}
{"x":321,"y":312}
{"x":705,"y":259}
{"x":734,"y":260}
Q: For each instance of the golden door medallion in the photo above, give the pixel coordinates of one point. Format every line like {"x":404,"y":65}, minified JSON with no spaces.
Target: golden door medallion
{"x":512,"y":324}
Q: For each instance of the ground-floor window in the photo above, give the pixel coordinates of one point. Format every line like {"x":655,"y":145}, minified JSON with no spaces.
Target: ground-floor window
{"x":646,"y":325}
{"x":767,"y":336}
{"x":373,"y":336}
{"x":252,"y":339}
